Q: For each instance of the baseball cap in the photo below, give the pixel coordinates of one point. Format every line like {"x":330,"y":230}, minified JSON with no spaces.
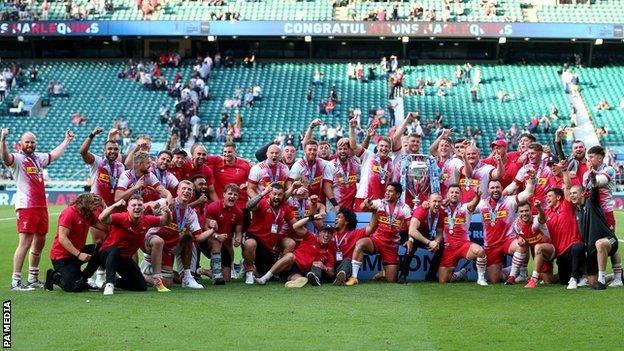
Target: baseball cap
{"x":328,"y":228}
{"x":178,"y":151}
{"x":500,"y":142}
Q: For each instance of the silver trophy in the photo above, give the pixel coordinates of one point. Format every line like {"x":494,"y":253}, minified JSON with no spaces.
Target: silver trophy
{"x":419,"y":167}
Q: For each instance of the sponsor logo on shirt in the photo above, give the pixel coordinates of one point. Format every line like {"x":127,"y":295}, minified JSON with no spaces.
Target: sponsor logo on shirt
{"x":458,"y":220}
{"x":103,"y":177}
{"x":542,"y":181}
{"x":501,"y":214}
{"x":473,"y":182}
{"x":352,"y":179}
{"x":31,"y":170}
{"x":385,"y":220}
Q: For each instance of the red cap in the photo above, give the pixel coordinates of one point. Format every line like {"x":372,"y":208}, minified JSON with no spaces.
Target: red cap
{"x":500,"y":142}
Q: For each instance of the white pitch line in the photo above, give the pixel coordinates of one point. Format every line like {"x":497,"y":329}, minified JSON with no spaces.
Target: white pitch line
{"x":620,"y":240}
{"x":13,"y":218}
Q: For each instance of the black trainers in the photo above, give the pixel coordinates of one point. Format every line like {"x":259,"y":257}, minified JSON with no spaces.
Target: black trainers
{"x":49,"y":281}
{"x":599,"y":286}
{"x":313,"y":279}
{"x":402,"y":279}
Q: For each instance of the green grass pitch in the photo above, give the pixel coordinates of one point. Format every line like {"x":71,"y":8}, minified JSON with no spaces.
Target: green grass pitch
{"x":371,"y":316}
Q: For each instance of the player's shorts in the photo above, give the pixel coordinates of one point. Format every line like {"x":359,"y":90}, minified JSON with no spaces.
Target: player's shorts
{"x":295,"y":269}
{"x":610,"y":220}
{"x":452,"y":254}
{"x":592,"y":258}
{"x":496,"y":254}
{"x":226,"y":256}
{"x":265,"y":257}
{"x":32,"y":220}
{"x":389,"y":252}
{"x":167,"y":254}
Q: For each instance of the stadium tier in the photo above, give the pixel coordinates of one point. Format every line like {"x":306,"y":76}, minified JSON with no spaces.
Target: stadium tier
{"x":600,"y":11}
{"x":96,"y":93}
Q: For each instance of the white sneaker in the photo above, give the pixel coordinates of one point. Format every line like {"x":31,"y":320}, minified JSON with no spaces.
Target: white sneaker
{"x":35,"y":284}
{"x":109,"y":289}
{"x":482,"y":282}
{"x":582,"y":282}
{"x":249,"y":278}
{"x":522,"y":276}
{"x":18,"y":286}
{"x":190,"y":283}
{"x":259,"y":281}
{"x":572,"y":284}
{"x":616,"y":283}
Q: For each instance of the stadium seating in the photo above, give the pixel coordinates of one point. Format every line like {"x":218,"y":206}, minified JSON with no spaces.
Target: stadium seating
{"x":601,"y":11}
{"x":96,"y":92}
{"x":607,"y":83}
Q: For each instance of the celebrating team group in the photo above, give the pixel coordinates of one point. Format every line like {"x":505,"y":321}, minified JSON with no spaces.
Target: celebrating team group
{"x":180,"y":208}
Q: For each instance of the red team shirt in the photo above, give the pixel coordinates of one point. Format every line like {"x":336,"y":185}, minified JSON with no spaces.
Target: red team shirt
{"x":263,"y":175}
{"x":562,"y":225}
{"x":481,"y":175}
{"x":264,"y":216}
{"x":345,"y":181}
{"x":186,"y":222}
{"x":345,"y":242}
{"x":511,"y":168}
{"x":309,"y":250}
{"x":386,"y":231}
{"x":373,"y":167}
{"x":126,"y":235}
{"x":542,"y":174}
{"x":189,"y":171}
{"x":317,"y":173}
{"x":461,"y":227}
{"x":533,"y":233}
{"x":78,"y":230}
{"x":105,"y":176}
{"x":505,"y":211}
{"x":224,"y":174}
{"x":429,"y":222}
{"x":227,"y":218}
{"x":449,"y":173}
{"x":27,"y":171}
{"x":150,"y":183}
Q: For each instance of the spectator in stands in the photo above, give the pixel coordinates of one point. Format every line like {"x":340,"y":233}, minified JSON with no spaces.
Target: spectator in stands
{"x":250,"y":60}
{"x":221,"y":134}
{"x":317,"y":80}
{"x":473,"y":93}
{"x":78,"y":119}
{"x":503,"y":96}
{"x":3,"y":88}
{"x":603,"y":105}
{"x":601,"y":132}
{"x":545,"y":121}
{"x":554,"y":112}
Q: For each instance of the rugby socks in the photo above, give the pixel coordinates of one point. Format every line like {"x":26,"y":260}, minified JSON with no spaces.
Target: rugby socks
{"x":215,"y":262}
{"x":617,"y":272}
{"x":355,"y":267}
{"x":33,"y":274}
{"x":16,"y":279}
{"x":265,"y":278}
{"x":516,"y":261}
{"x":601,"y":277}
{"x":535,"y":275}
{"x":157,"y":278}
{"x":481,"y":264}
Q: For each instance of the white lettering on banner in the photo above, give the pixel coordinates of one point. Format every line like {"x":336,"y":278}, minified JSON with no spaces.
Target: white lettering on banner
{"x":324,"y":28}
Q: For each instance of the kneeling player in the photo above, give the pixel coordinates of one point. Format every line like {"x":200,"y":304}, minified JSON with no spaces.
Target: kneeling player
{"x":161,"y":243}
{"x":345,"y":238}
{"x":457,"y":244}
{"x":127,"y":233}
{"x":391,"y":214}
{"x":69,"y":251}
{"x":313,"y":254}
{"x":532,"y":234}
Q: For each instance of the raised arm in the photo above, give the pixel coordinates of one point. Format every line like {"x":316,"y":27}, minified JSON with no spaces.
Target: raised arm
{"x":357,"y":149}
{"x":87,"y":157}
{"x":566,"y":179}
{"x":398,"y":134}
{"x":433,"y":149}
{"x":106,"y":213}
{"x":499,"y":171}
{"x":308,"y":134}
{"x":165,"y":216}
{"x":300,"y":225}
{"x":529,"y":188}
{"x":472,"y":205}
{"x":370,"y":133}
{"x":253,"y":201}
{"x":6,"y":156}
{"x":60,"y":149}
{"x":541,"y":216}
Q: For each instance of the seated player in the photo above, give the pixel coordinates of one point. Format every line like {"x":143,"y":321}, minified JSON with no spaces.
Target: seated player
{"x":126,"y":236}
{"x":310,"y":251}
{"x":532,"y":234}
{"x":345,"y":238}
{"x":69,"y":251}
{"x":457,"y":244}
{"x":176,"y":238}
{"x":266,"y":238}
{"x":392,"y":214}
